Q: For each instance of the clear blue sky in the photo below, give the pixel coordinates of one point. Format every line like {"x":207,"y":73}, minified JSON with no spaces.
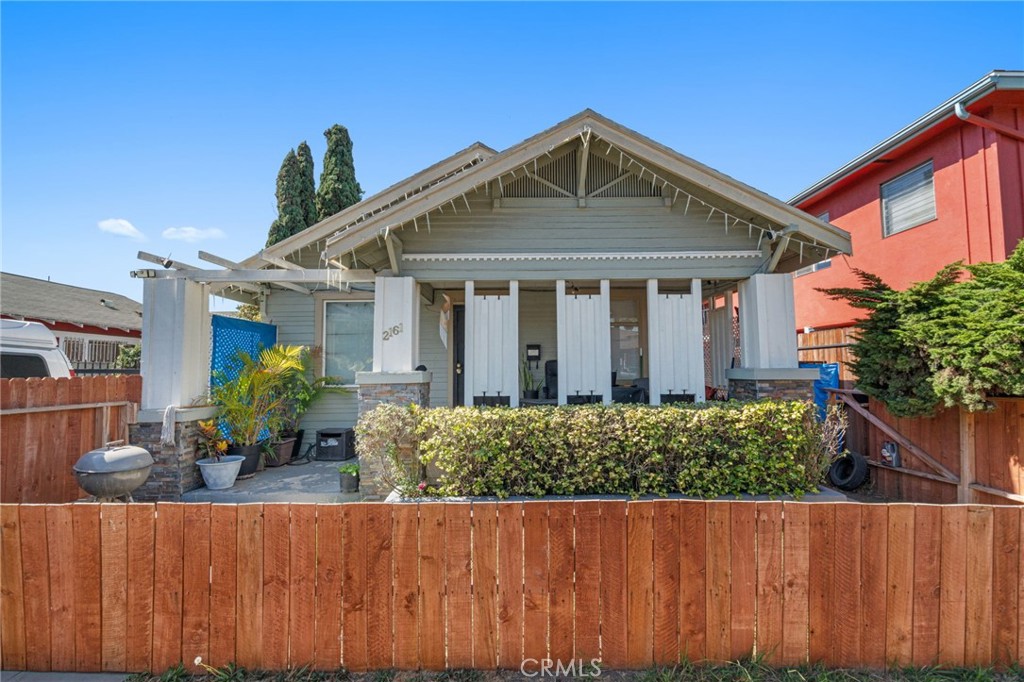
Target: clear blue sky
{"x":157,"y":117}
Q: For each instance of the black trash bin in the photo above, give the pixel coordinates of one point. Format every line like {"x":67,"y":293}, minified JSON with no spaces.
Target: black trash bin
{"x":335,"y":445}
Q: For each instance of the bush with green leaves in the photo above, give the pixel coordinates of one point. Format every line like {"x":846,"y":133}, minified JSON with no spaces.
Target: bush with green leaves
{"x":951,"y":340}
{"x":774,"y":448}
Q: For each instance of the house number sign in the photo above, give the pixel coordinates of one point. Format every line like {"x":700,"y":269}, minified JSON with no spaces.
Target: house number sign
{"x":392,"y":332}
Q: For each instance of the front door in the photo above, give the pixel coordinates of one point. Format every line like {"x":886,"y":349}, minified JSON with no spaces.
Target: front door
{"x":459,"y":353}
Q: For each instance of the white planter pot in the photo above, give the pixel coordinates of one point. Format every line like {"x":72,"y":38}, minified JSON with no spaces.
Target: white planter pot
{"x":220,"y":474}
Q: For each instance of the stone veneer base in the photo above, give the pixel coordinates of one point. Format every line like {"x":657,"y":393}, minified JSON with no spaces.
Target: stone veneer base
{"x":174,"y":469}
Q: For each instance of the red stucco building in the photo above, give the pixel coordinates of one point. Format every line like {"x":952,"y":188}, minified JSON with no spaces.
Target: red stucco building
{"x":948,"y":187}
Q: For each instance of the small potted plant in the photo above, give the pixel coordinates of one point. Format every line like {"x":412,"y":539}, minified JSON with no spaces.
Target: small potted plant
{"x":299,"y":393}
{"x":349,"y":474}
{"x":527,"y":381}
{"x":218,"y":468}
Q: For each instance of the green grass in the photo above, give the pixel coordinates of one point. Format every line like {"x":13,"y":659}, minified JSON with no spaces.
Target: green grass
{"x":737,"y":671}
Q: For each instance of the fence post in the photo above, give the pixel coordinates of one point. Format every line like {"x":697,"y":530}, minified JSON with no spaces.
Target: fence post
{"x":967,"y":441}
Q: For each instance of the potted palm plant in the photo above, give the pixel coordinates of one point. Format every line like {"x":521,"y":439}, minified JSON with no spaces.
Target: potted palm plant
{"x":300,"y":391}
{"x":527,"y":381}
{"x":250,"y":402}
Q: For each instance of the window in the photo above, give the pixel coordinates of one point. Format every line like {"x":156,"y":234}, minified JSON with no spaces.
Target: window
{"x":18,"y":366}
{"x":348,"y":339}
{"x":813,"y":268}
{"x":908,"y":200}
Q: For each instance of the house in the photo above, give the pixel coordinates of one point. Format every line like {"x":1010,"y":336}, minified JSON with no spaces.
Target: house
{"x":948,"y":187}
{"x":90,"y":325}
{"x":592,"y":254}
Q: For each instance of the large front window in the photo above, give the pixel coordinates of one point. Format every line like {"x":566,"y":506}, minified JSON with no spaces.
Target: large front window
{"x":348,"y":339}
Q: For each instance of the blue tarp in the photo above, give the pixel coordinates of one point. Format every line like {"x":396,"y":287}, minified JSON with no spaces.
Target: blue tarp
{"x":828,"y":377}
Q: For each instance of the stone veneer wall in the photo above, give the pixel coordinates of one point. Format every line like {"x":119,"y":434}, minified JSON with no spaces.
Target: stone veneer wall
{"x":778,"y":389}
{"x":174,"y":470}
{"x":371,"y":480}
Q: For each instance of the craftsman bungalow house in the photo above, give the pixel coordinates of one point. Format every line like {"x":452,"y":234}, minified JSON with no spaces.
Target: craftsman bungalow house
{"x":587,"y":245}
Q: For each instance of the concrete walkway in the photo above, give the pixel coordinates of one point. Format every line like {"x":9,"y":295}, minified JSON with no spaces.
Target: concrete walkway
{"x":312,"y":482}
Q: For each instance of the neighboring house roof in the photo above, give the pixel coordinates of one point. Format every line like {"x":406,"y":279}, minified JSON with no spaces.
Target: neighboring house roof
{"x":942,"y":114}
{"x":39,"y":299}
{"x":452,"y":178}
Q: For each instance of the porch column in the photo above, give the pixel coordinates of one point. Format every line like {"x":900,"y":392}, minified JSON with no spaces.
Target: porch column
{"x":676,"y":339}
{"x":720,"y":325}
{"x":492,"y":345}
{"x":584,"y":343}
{"x":768,"y":343}
{"x":175,"y":362}
{"x":396,"y":324}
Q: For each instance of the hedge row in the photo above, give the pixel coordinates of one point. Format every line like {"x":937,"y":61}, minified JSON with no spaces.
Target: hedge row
{"x":773,"y":448}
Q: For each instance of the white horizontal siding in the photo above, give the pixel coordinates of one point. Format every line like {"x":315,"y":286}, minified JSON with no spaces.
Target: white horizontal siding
{"x":434,"y":355}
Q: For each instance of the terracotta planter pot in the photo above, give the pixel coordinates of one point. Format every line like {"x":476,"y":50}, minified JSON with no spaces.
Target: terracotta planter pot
{"x":284,"y":450}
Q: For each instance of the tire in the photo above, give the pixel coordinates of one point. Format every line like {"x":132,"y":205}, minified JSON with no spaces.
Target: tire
{"x":850,"y":472}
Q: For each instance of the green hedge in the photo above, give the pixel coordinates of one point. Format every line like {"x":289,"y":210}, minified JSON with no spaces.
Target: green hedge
{"x":773,"y":448}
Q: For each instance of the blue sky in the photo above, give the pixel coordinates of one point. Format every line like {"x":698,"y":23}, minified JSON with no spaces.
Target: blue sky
{"x":162,"y":126}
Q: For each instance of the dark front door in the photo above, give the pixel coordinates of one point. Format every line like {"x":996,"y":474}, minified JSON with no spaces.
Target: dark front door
{"x":459,"y":352}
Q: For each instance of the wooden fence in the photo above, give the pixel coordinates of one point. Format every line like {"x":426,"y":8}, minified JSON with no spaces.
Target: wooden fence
{"x":137,"y":587}
{"x":829,"y":345}
{"x":982,"y":453}
{"x":47,"y":424}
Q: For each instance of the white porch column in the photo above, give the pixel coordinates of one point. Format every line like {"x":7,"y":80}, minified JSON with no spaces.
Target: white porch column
{"x":584,"y":343}
{"x":720,"y":324}
{"x":492,"y":345}
{"x":396,"y":324}
{"x":768,"y":322}
{"x":175,"y":343}
{"x":676,"y":339}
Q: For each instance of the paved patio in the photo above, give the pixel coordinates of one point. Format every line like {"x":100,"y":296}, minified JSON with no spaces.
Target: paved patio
{"x":312,"y":482}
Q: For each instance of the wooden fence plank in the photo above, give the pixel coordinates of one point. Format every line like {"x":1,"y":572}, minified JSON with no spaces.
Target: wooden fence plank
{"x":560,"y":580}
{"x":12,"y":596}
{"x":195,"y":610}
{"x":36,"y":581}
{"x":874,"y":559}
{"x":167,"y":585}
{"x":432,"y":551}
{"x":113,"y":583}
{"x":978,"y":609}
{"x":820,"y":584}
{"x":223,"y":581}
{"x":510,"y":584}
{"x":845,"y":612}
{"x":302,"y":598}
{"x":899,"y":635}
{"x":666,"y":582}
{"x":535,"y":582}
{"x":719,"y":572}
{"x":1020,"y":589}
{"x":276,"y":575}
{"x":640,"y":584}
{"x":88,"y":646}
{"x":485,"y":585}
{"x":692,"y":581}
{"x":379,"y":583}
{"x":796,"y":562}
{"x":249,"y":586}
{"x":458,"y":530}
{"x":407,"y":591}
{"x":613,"y":584}
{"x":587,"y":617}
{"x":60,"y":553}
{"x":743,"y":592}
{"x":327,"y":627}
{"x":1006,"y":561}
{"x":770,"y":571}
{"x":353,"y":590}
{"x":953,"y":595}
{"x":927,"y":585}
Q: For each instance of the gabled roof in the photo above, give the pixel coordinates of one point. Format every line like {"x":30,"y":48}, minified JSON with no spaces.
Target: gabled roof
{"x":991,"y":82}
{"x":413,"y":198}
{"x":44,"y":300}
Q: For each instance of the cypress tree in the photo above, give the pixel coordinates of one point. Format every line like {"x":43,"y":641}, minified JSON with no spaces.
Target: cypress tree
{"x":290,"y":218}
{"x":307,"y":186}
{"x":338,"y":186}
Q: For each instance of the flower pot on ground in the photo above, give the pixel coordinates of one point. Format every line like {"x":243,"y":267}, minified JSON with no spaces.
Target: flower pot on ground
{"x":298,"y":393}
{"x":349,"y":474}
{"x":282,"y":451}
{"x":220,"y":473}
{"x":528,"y":382}
{"x":250,"y":455}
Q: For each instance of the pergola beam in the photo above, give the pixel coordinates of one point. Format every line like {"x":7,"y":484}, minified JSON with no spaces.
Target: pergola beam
{"x":232,"y":265}
{"x":260,"y":276}
{"x":254,"y":289}
{"x":394,"y":245}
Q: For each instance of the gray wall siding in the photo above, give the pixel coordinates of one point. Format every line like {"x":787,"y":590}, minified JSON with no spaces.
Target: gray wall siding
{"x":293,"y":314}
{"x":434,"y":355}
{"x":538,"y":323}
